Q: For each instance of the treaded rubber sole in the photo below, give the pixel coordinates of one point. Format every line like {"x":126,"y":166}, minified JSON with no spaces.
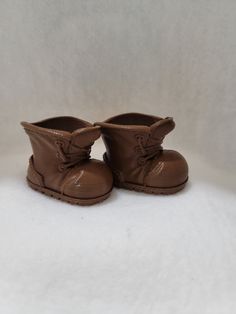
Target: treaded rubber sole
{"x":149,"y":189}
{"x":68,"y":199}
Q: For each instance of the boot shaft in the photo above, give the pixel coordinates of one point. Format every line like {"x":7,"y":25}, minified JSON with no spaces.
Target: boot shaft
{"x":131,"y":140}
{"x":59,"y":143}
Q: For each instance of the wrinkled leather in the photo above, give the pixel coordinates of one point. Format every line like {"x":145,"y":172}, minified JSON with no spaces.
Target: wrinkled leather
{"x":61,"y":158}
{"x":134,"y":150}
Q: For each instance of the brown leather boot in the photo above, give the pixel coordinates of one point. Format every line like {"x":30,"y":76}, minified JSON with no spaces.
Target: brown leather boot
{"x":136,"y":158}
{"x":61,"y":166}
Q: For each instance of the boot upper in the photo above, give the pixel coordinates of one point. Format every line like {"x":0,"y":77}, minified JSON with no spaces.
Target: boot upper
{"x":134,"y":150}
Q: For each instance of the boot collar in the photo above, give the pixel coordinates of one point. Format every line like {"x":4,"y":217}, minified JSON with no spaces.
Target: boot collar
{"x":155,"y":126}
{"x":80,"y":132}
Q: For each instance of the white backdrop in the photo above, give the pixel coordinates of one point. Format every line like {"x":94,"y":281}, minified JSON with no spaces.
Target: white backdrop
{"x":94,"y":59}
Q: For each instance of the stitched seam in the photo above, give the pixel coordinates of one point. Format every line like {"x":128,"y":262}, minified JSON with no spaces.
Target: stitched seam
{"x":46,"y":134}
{"x":35,"y":176}
{"x":117,"y":173}
{"x":65,"y":181}
{"x":38,"y":177}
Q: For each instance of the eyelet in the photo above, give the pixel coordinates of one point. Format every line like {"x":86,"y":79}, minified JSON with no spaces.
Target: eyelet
{"x":59,"y":143}
{"x":61,"y":167}
{"x":139,"y":137}
{"x":141,"y":161}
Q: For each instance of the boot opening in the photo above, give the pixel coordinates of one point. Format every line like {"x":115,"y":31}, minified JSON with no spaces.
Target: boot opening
{"x":133,"y":119}
{"x":68,"y":124}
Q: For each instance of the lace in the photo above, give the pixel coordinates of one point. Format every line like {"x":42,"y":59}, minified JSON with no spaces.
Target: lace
{"x":147,"y":152}
{"x":73,"y":158}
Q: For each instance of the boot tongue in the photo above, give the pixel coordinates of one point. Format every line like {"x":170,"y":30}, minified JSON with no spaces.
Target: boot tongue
{"x":86,"y":136}
{"x":162,"y":127}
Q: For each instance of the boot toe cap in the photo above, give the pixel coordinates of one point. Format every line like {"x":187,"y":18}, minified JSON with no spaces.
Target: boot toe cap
{"x":169,"y":170}
{"x":90,"y":180}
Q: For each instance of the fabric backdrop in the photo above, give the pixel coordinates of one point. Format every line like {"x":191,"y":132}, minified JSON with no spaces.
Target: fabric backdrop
{"x":94,"y":59}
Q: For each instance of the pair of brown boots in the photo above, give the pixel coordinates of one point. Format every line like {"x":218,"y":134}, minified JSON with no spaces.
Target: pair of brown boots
{"x":61,"y":166}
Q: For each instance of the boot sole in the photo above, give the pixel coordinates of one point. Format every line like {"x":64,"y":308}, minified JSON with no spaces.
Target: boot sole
{"x":149,"y":189}
{"x":68,"y":199}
